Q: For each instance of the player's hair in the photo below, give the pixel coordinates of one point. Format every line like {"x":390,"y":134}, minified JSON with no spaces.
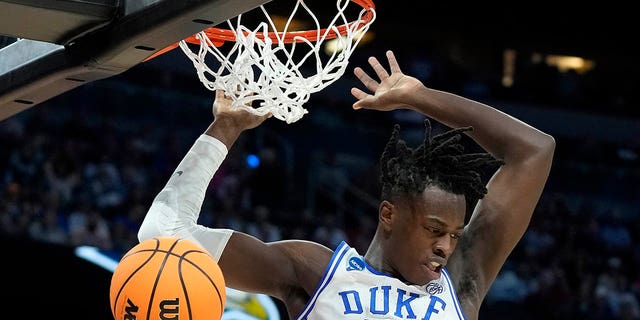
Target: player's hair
{"x":440,"y":161}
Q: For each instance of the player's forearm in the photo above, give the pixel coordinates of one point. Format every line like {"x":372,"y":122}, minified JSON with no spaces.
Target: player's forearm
{"x":175,"y":210}
{"x":497,"y":132}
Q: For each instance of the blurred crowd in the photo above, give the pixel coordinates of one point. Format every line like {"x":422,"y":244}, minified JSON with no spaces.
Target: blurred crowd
{"x":83,"y":168}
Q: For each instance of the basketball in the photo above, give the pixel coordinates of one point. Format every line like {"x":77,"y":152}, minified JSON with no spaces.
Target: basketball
{"x":167,"y":278}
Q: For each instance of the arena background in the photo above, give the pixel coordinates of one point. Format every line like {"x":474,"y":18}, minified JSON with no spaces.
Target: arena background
{"x":82,"y":168}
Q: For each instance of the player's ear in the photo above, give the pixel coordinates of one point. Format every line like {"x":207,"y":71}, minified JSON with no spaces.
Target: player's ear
{"x":385,"y":214}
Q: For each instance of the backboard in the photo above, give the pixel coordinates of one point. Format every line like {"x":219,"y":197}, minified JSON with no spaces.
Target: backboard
{"x":66,"y":43}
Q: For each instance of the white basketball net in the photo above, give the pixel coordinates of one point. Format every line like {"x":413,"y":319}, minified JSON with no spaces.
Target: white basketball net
{"x":270,"y":72}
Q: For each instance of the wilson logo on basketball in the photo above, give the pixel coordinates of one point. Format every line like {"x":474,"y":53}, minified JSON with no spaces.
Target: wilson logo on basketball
{"x":169,"y":309}
{"x":130,"y":310}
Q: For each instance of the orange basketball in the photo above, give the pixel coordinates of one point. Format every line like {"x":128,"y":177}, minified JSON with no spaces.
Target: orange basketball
{"x":167,"y":278}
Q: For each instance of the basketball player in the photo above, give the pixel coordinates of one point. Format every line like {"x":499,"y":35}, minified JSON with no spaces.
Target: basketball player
{"x":426,"y":260}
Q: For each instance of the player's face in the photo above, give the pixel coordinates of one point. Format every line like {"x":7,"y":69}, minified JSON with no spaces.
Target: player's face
{"x":425,"y":234}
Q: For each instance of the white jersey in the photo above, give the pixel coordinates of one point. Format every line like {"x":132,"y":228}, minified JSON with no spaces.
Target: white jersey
{"x":351,"y":289}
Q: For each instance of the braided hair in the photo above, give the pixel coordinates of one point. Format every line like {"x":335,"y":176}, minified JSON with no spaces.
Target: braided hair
{"x":440,"y":161}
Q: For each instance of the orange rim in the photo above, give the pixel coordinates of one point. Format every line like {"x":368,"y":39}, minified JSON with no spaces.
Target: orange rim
{"x":219,"y":36}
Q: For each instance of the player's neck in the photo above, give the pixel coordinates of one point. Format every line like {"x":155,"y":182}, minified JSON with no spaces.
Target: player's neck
{"x":375,"y":253}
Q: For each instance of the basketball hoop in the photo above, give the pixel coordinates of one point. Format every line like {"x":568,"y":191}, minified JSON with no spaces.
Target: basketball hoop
{"x":279,"y":69}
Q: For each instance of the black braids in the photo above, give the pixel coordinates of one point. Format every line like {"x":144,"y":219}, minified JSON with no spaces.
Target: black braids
{"x":453,"y":132}
{"x":387,"y":159}
{"x":439,"y":161}
{"x":427,"y":138}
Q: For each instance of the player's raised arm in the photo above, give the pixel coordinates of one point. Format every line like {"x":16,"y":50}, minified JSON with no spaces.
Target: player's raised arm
{"x":502,"y":216}
{"x":247,"y":263}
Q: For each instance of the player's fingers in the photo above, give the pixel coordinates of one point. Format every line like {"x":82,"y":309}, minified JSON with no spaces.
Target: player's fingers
{"x":220,"y":94}
{"x":378,"y":68}
{"x":358,"y":94}
{"x":249,"y":100}
{"x":362,"y":97}
{"x":393,"y":62}
{"x":366,"y":80}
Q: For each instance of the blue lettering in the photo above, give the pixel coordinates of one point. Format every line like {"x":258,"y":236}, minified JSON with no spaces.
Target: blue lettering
{"x":406,"y":304}
{"x":432,"y":307}
{"x":385,"y":292}
{"x":347,"y":303}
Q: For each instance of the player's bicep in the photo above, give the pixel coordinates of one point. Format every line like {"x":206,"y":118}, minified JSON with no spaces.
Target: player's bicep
{"x":252,"y":265}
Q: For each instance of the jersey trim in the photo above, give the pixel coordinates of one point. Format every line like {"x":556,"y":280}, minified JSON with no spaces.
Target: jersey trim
{"x":454,"y":295}
{"x":326,"y":278}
